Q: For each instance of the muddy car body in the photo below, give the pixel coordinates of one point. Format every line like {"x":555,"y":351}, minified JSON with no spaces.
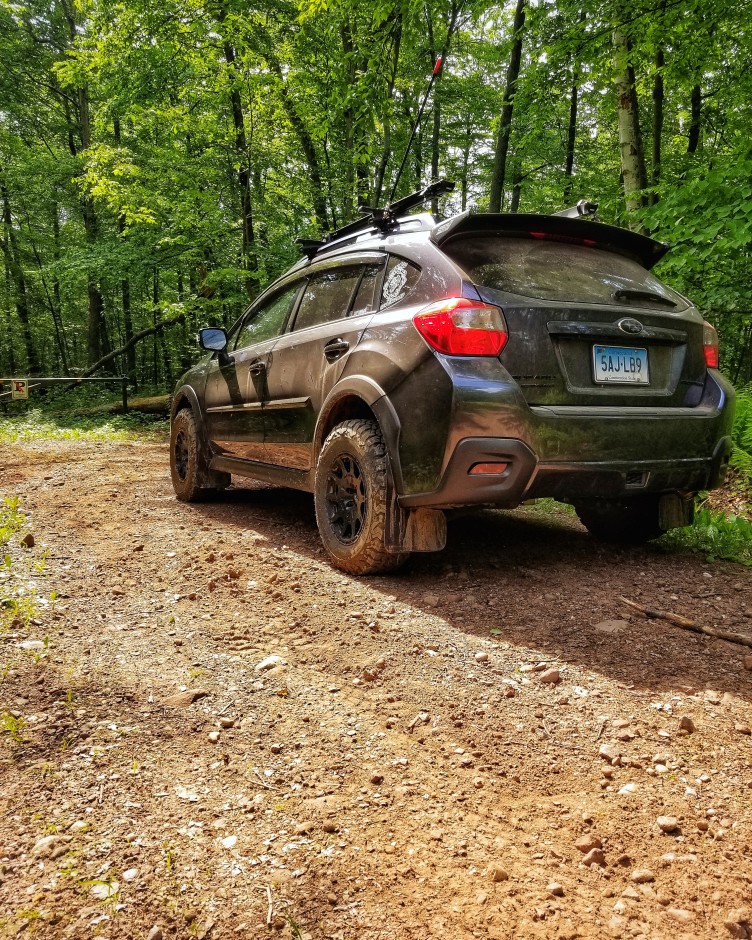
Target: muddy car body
{"x":407,"y":368}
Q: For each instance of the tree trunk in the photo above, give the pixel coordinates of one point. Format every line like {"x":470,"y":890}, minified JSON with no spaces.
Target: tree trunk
{"x":514,"y":205}
{"x":465,"y":164}
{"x":496,"y":197}
{"x":306,"y":142}
{"x":695,"y":126}
{"x":13,"y":260}
{"x":574,"y":95}
{"x":125,"y":293}
{"x":378,"y":185}
{"x":571,"y":136}
{"x":250,"y":262}
{"x":630,"y":136}
{"x":658,"y":99}
{"x":56,"y":296}
{"x":95,"y":324}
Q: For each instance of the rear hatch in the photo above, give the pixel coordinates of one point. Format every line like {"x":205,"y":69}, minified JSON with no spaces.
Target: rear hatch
{"x":588,"y":323}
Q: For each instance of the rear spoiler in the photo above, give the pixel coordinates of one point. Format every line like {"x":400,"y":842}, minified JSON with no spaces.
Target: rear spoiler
{"x":646,"y":250}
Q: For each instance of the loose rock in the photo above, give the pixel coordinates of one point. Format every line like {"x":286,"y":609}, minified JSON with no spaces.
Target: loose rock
{"x":183,"y":699}
{"x":269,"y":663}
{"x":687,"y":725}
{"x":550,"y":675}
{"x":587,"y":842}
{"x":668,"y":823}
{"x":642,"y":876}
{"x":594,"y":857}
{"x":497,"y":874}
{"x":43,"y":847}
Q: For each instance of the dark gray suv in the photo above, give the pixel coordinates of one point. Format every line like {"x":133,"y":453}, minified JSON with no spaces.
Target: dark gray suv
{"x":405,"y":366}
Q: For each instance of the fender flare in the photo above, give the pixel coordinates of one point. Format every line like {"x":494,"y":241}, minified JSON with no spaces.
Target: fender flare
{"x":186,"y":392}
{"x":372,"y":395}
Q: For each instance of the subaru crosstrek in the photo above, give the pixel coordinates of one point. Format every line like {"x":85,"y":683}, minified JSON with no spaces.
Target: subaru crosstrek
{"x":406,"y":366}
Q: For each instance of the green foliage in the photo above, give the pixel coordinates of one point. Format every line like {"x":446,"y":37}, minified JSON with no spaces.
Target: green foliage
{"x":741,"y":458}
{"x":38,"y":425}
{"x":715,"y":535}
{"x":19,"y":567}
{"x":12,"y":726}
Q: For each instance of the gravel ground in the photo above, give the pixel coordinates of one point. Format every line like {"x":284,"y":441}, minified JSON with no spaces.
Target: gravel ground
{"x":221,"y":736}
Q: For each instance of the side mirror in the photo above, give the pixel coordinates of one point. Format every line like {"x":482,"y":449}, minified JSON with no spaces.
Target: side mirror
{"x":213,"y":339}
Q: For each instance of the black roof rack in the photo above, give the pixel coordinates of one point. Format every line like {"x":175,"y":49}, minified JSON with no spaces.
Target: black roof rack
{"x":383,"y":220}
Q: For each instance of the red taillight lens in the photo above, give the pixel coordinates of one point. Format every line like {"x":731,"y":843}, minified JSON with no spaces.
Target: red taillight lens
{"x":462,"y":327}
{"x":710,"y":345}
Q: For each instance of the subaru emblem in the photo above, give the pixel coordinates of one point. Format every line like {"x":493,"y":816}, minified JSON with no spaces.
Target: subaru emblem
{"x":630,"y":325}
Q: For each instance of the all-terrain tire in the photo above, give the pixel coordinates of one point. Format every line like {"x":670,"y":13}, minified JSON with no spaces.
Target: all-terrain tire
{"x":351,"y":496}
{"x":629,"y":521}
{"x":191,"y":478}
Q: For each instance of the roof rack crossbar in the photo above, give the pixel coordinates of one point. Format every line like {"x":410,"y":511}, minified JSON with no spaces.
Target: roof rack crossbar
{"x":384,"y":219}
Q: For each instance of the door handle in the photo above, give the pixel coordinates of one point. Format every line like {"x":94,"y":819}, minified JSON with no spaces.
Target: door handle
{"x":257,"y":367}
{"x":335,"y":348}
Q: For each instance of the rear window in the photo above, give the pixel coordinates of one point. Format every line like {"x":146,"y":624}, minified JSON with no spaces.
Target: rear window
{"x":553,"y":270}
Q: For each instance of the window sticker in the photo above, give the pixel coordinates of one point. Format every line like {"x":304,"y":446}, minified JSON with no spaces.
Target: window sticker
{"x":395,"y":283}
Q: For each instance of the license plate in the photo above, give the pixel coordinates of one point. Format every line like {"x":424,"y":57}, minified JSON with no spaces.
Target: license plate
{"x":621,"y":364}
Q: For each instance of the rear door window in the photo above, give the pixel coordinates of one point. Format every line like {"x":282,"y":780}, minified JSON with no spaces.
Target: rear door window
{"x":327,"y":296}
{"x":366,"y":299}
{"x":547,"y":269}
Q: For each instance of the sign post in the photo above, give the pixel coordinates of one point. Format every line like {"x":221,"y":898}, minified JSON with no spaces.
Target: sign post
{"x":19,"y":388}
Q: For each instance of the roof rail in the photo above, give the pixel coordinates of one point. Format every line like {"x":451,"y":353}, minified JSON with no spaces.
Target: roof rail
{"x":383,"y":220}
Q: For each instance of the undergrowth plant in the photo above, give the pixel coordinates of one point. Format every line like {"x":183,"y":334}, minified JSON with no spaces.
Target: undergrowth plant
{"x":741,"y":459}
{"x":40,"y":425}
{"x":19,"y":600}
{"x":715,"y":535}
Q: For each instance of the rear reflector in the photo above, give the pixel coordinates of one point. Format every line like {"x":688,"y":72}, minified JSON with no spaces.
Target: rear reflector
{"x":710,"y":345}
{"x":488,"y":468}
{"x":461,"y":327}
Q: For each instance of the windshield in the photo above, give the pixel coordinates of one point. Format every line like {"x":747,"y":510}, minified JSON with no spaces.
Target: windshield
{"x":555,"y":270}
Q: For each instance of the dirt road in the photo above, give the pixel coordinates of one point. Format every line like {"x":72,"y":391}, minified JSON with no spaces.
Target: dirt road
{"x":486,"y":744}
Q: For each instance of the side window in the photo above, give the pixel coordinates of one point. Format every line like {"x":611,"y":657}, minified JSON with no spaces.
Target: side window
{"x":366,"y":300}
{"x":268,"y":320}
{"x":327,"y":297}
{"x":401,"y":277}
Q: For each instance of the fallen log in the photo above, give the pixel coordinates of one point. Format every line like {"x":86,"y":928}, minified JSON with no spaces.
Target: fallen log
{"x":680,"y":621}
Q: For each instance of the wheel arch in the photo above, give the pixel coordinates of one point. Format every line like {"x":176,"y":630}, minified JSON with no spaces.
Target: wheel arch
{"x":185,"y":397}
{"x":361,"y":398}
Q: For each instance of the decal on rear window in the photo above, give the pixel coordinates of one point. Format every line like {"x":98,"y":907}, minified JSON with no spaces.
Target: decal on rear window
{"x":401,"y":277}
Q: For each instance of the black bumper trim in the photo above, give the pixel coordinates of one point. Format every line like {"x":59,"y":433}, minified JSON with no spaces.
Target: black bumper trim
{"x":460,"y":488}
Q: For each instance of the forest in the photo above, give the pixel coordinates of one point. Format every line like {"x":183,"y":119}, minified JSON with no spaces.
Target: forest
{"x":158,"y":159}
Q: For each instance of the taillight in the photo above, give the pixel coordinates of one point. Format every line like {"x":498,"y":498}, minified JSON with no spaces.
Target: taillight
{"x":710,"y":345}
{"x":462,"y":327}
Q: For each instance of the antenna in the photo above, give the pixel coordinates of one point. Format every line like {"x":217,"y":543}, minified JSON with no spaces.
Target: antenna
{"x":436,"y":70}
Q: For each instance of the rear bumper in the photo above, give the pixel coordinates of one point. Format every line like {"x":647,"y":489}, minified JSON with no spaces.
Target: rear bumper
{"x":527,"y":478}
{"x":575,"y":453}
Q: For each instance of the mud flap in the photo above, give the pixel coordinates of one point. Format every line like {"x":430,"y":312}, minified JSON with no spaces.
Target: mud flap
{"x":676,"y":510}
{"x":413,"y":530}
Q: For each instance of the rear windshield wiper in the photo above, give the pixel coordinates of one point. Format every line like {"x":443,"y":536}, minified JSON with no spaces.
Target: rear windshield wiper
{"x":626,"y":293}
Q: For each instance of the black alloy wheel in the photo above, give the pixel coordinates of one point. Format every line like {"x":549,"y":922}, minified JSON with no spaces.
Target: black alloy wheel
{"x":347,"y":498}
